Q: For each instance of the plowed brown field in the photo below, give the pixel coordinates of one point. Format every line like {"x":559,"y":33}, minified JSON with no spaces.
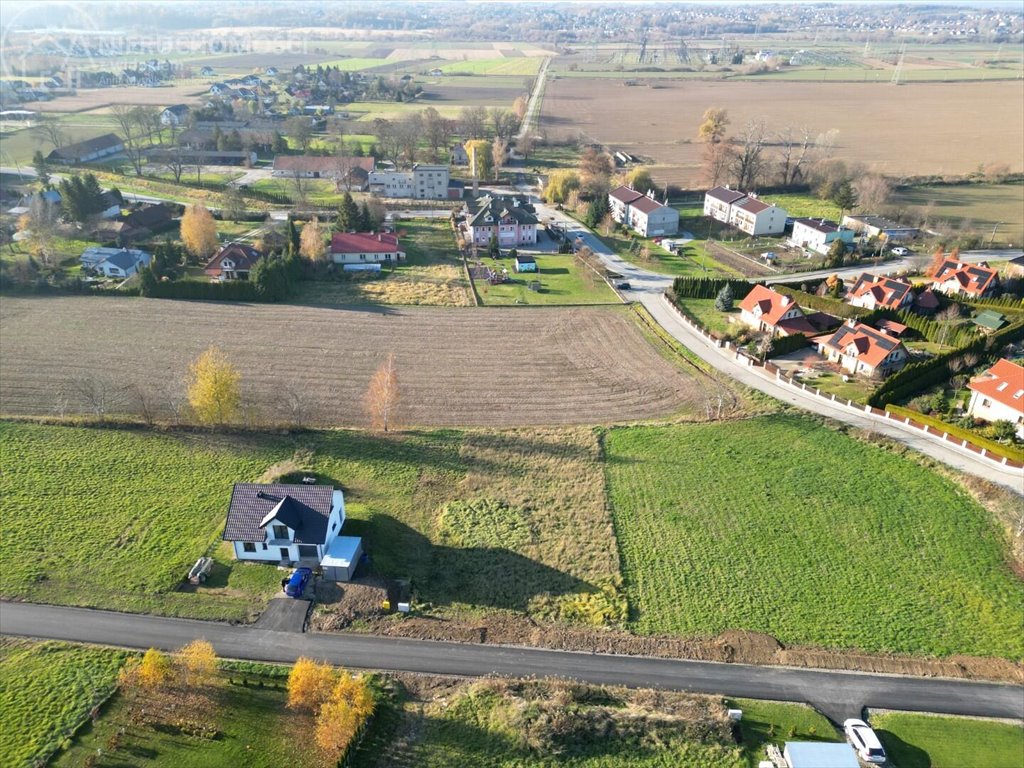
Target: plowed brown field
{"x":915,"y":129}
{"x":471,"y":367}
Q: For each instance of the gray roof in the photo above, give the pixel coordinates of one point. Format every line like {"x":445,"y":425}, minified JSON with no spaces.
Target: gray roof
{"x":487,"y":211}
{"x":87,"y":147}
{"x":125,"y":259}
{"x":303,"y":508}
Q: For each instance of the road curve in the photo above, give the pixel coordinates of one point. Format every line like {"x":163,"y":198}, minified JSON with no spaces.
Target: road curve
{"x":836,"y":694}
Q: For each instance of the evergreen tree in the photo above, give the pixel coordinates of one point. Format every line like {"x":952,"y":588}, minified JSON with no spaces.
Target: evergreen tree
{"x":366,"y":222}
{"x":724,"y":299}
{"x":348,"y":214}
{"x":293,"y":238}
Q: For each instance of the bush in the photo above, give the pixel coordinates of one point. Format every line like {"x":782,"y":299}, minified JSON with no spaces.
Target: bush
{"x":709,"y":287}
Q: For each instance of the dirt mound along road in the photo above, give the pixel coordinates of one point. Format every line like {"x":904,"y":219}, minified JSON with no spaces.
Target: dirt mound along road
{"x":465,"y":367}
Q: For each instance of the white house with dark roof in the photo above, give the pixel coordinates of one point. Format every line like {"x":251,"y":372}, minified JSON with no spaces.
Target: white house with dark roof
{"x":114,"y":262}
{"x":175,"y":115}
{"x":642,"y":213}
{"x":818,"y":234}
{"x":289,"y":524}
{"x":745,"y":211}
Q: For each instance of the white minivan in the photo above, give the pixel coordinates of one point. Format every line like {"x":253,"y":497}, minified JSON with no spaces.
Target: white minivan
{"x":864,"y":741}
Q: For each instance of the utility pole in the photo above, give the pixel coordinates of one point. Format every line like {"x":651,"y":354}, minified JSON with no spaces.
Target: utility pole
{"x":992,"y":239}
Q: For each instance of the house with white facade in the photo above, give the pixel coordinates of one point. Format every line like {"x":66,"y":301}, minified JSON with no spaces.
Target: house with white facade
{"x":115,"y":262}
{"x":961,"y":278}
{"x":861,"y":349}
{"x":422,"y":182}
{"x":459,"y":155}
{"x":511,"y":220}
{"x":86,"y":151}
{"x":291,"y":524}
{"x":818,"y":235}
{"x":233,"y":262}
{"x":871,"y":292}
{"x":998,"y":395}
{"x":745,"y":211}
{"x":766,"y":310}
{"x":174,"y":115}
{"x":642,"y":213}
{"x":366,"y":248}
{"x":870,"y":225}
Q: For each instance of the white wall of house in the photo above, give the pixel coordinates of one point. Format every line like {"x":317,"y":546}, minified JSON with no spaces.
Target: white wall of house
{"x":984,"y":407}
{"x":367,"y":258}
{"x":336,"y":519}
{"x":770,"y":221}
{"x":664,"y":221}
{"x":805,"y":236}
{"x":716,"y":209}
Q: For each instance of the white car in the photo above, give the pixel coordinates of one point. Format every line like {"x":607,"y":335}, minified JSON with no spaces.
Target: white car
{"x":864,"y":741}
{"x":899,"y":250}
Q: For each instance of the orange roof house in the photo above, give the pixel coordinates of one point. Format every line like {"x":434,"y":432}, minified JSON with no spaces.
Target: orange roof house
{"x":862,"y":349}
{"x":998,"y":394}
{"x":767,"y":310}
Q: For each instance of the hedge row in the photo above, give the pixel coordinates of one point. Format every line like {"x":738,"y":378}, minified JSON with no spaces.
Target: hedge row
{"x":824,"y":303}
{"x":783,"y":345}
{"x":1008,"y":303}
{"x":232,"y":290}
{"x":929,"y":328}
{"x":708,"y":287}
{"x":1009,"y":451}
{"x":918,"y":376}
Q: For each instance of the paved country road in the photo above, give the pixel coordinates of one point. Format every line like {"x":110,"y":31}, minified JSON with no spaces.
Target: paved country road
{"x":836,"y":694}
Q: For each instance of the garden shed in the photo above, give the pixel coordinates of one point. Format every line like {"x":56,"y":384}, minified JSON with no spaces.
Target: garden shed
{"x":342,"y":558}
{"x":813,"y":754}
{"x":525,"y":263}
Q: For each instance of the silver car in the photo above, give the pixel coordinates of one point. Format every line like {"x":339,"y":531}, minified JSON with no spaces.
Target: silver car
{"x":864,"y":741}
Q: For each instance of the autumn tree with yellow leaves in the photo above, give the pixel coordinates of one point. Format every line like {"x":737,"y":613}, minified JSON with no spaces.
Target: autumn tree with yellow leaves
{"x":344,"y":713}
{"x":381,"y":398}
{"x":213,"y":388}
{"x":197,"y":662}
{"x":199,"y":232}
{"x":309,"y":684}
{"x":313,"y":240}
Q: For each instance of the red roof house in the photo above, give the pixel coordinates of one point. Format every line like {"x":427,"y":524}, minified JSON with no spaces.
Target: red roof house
{"x":862,"y":349}
{"x":365,"y":248}
{"x":766,"y":310}
{"x":873,"y":292}
{"x":233,"y":262}
{"x":958,"y":278}
{"x":998,"y":395}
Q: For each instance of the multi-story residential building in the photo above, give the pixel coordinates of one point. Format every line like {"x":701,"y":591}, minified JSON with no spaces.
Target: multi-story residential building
{"x":509,"y":219}
{"x":642,"y":213}
{"x":818,"y":234}
{"x":745,"y":211}
{"x":422,"y":182}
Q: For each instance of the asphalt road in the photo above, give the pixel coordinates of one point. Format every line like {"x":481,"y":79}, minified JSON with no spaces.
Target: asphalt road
{"x":836,"y":694}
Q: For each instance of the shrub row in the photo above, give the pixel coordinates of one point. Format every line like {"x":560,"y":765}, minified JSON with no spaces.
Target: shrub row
{"x":929,"y":328}
{"x":1009,"y":451}
{"x":918,"y":376}
{"x":708,"y":287}
{"x":824,"y":303}
{"x":783,"y":345}
{"x":1009,"y":303}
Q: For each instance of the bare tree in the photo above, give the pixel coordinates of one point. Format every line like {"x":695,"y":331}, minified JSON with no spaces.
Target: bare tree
{"x":947,"y":320}
{"x":718,"y":159}
{"x":498,"y":154}
{"x":126,"y":118}
{"x":144,"y":400}
{"x":748,"y":161}
{"x":795,"y":145}
{"x":433,"y":130}
{"x":387,"y":138}
{"x":174,"y":161}
{"x":296,"y":403}
{"x":99,"y":394}
{"x":51,"y":130}
{"x":873,"y":191}
{"x":381,"y":398}
{"x":300,"y":186}
{"x":472,"y":121}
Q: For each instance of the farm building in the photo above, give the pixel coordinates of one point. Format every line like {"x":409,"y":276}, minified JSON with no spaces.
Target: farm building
{"x":998,"y":395}
{"x":862,"y":349}
{"x":642,"y":213}
{"x":510,"y":220}
{"x":114,"y":262}
{"x":459,"y":156}
{"x":233,"y":262}
{"x":818,"y":234}
{"x":291,"y":524}
{"x":990,"y":321}
{"x":525,"y":263}
{"x":815,"y":754}
{"x":351,"y":248}
{"x":88,"y":150}
{"x":872,"y":292}
{"x":879,"y":226}
{"x":355,"y":169}
{"x":960,"y":278}
{"x":745,"y":211}
{"x":766,"y":310}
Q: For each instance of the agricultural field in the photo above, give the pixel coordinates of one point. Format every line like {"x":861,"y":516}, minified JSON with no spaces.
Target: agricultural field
{"x":478,"y":520}
{"x":991,"y":209}
{"x":431,"y":275}
{"x":931,"y":741}
{"x":93,"y":98}
{"x":720,"y":527}
{"x":894,"y":139}
{"x":455,"y":367}
{"x":503,"y":66}
{"x":46,"y":690}
{"x":563,"y":280}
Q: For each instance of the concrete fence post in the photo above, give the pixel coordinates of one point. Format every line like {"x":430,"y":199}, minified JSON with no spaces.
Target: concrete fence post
{"x":833,"y":397}
{"x":945,"y":435}
{"x":867,"y":409}
{"x":984,"y":451}
{"x":963,"y":444}
{"x":906,"y":420}
{"x":925,"y":427}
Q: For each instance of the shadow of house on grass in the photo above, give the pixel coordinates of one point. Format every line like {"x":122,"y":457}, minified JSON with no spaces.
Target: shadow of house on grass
{"x":491,"y":577}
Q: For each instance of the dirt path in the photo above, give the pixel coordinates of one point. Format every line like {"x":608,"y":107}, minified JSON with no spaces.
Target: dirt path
{"x":465,"y":367}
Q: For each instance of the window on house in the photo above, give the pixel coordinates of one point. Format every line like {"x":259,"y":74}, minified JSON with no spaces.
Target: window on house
{"x":248,"y":547}
{"x":280,"y":531}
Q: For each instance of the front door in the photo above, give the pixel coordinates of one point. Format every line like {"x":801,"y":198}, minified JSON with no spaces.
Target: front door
{"x":285,"y":554}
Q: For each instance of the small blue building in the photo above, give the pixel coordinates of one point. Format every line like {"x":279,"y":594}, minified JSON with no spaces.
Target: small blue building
{"x":525,"y":263}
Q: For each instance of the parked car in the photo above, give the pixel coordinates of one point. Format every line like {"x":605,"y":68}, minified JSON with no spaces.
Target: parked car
{"x":297,"y":582}
{"x":623,"y":286}
{"x":899,"y":250}
{"x":864,"y":741}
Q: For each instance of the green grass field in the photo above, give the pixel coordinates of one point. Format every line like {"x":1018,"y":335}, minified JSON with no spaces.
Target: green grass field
{"x":927,"y":741}
{"x":563,"y":279}
{"x":114,"y":518}
{"x":525,"y":65}
{"x":780,"y":525}
{"x":982,"y":206}
{"x":773,"y":722}
{"x":46,"y":690}
{"x":431,"y":275}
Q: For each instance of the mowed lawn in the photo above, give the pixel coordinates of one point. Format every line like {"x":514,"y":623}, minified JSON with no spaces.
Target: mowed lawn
{"x":46,"y":689}
{"x":930,"y":741}
{"x":780,"y":525}
{"x":563,"y":280}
